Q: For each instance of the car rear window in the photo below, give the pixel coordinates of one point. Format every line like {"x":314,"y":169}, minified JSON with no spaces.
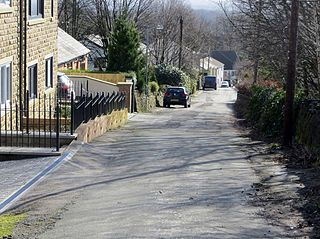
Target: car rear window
{"x":175,"y":90}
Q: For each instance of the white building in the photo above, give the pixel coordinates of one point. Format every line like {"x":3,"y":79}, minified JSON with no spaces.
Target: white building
{"x":214,"y":68}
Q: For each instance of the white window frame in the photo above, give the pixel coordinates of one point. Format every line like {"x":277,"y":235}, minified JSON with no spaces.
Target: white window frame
{"x":49,"y":72}
{"x":39,"y":9}
{"x":5,"y":83}
{"x":33,"y":81}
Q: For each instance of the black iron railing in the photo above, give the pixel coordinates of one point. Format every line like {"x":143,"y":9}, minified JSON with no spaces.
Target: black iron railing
{"x":89,"y":107}
{"x":41,"y":121}
{"x":31,"y":124}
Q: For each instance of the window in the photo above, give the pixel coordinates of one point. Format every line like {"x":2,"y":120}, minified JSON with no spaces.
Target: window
{"x":4,"y":3}
{"x":33,"y":79}
{"x":5,"y":83}
{"x":49,"y":73}
{"x":35,"y":8}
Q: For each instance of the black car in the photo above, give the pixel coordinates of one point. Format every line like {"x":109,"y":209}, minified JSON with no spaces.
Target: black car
{"x":176,"y":96}
{"x":210,"y":82}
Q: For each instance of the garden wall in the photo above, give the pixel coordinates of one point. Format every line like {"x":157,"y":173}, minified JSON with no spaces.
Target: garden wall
{"x":100,"y":125}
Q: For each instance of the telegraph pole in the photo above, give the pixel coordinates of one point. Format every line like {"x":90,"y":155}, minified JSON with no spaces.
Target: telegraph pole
{"x":181,"y":38}
{"x":291,"y":75}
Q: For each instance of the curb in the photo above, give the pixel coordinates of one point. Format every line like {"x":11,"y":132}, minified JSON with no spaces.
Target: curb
{"x":71,"y":150}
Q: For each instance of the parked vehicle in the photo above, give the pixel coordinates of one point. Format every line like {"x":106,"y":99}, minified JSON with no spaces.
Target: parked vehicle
{"x":209,"y":82}
{"x":176,"y":96}
{"x":225,"y":84}
{"x":65,"y":86}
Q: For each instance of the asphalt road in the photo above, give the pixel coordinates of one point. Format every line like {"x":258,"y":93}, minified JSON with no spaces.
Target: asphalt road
{"x":175,"y":173}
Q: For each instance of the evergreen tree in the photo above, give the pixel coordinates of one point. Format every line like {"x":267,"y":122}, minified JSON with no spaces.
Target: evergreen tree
{"x":123,"y":51}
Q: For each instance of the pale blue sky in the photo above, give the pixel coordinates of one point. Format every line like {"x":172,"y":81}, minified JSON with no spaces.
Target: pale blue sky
{"x":203,"y":4}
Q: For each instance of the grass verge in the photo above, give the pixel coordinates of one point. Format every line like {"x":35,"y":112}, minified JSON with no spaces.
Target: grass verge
{"x":8,"y":222}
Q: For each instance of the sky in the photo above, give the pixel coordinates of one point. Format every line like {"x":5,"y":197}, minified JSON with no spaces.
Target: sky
{"x":203,"y":4}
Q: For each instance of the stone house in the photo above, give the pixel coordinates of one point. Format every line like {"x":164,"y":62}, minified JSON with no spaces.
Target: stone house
{"x":28,"y":49}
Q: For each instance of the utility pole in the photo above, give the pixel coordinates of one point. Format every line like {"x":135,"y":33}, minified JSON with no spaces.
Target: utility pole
{"x":181,"y":39}
{"x":317,"y":30}
{"x":209,"y":61}
{"x":65,"y":16}
{"x":147,"y":70}
{"x":74,"y":18}
{"x":291,"y":75}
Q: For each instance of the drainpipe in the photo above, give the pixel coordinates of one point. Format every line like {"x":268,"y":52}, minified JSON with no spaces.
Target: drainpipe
{"x":20,"y":61}
{"x":25,"y":49}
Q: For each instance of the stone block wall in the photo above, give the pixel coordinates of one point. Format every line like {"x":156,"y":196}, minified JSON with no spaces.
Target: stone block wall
{"x":9,"y":37}
{"x":100,"y":125}
{"x":126,"y":87}
{"x":145,"y":104}
{"x":42,"y":37}
{"x":41,"y":44}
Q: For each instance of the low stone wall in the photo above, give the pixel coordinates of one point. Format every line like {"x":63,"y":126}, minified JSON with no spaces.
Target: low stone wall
{"x":145,"y":104}
{"x":97,"y":127}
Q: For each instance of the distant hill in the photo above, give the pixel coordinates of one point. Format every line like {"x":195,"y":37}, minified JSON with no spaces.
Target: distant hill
{"x":209,"y":15}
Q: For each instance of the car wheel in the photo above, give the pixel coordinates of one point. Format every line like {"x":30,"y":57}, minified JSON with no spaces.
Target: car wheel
{"x":168,"y":105}
{"x":186,"y":105}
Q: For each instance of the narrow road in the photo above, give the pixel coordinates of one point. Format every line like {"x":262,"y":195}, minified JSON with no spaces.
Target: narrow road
{"x":176,"y":173}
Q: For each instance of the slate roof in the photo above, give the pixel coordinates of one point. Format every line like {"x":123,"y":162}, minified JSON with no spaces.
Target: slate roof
{"x":96,"y":39}
{"x":69,"y":48}
{"x":228,"y":58}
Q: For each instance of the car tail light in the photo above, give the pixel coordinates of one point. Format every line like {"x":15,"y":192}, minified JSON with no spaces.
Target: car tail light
{"x":65,"y":87}
{"x":166,"y":94}
{"x":184,"y":95}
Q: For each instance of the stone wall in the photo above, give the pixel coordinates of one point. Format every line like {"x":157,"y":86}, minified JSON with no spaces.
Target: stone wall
{"x":9,"y":37}
{"x":126,"y":87}
{"x":100,"y":125}
{"x":42,"y":37}
{"x":41,"y":43}
{"x":145,"y":104}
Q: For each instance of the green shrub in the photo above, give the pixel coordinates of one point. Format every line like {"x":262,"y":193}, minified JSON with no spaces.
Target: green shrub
{"x":153,"y":87}
{"x":266,"y":109}
{"x":170,"y":75}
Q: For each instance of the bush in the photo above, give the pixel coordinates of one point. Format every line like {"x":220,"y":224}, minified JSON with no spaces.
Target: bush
{"x":170,"y":75}
{"x":153,"y":87}
{"x":141,"y":78}
{"x":266,"y":109}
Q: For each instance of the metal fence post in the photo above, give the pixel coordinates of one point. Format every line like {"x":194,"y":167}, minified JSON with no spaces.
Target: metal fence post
{"x":72,"y":114}
{"x":57,"y":126}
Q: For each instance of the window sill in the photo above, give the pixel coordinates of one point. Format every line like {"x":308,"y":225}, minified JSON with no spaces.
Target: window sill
{"x":6,"y":10}
{"x":35,"y":22}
